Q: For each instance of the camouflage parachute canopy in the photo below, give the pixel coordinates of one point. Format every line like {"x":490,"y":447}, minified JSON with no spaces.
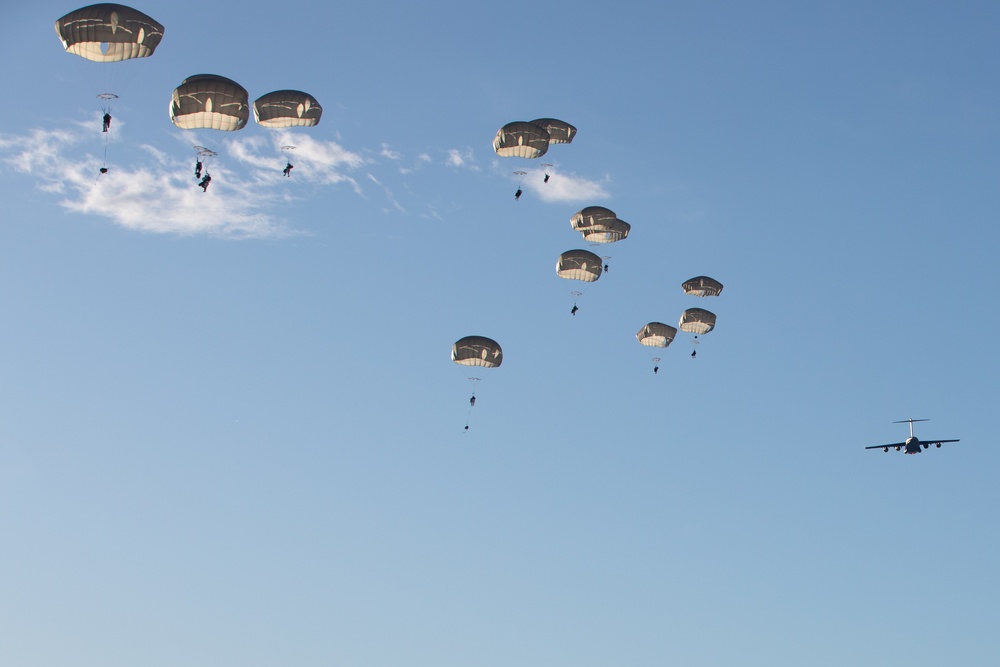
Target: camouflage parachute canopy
{"x":560,"y":132}
{"x":607,"y":232}
{"x":209,"y":101}
{"x":477,"y":351}
{"x":656,"y":334}
{"x":287,"y":108}
{"x":579,"y":265}
{"x":521,"y":139}
{"x":697,"y":321}
{"x":107,"y":33}
{"x":591,"y":217}
{"x":702,"y":286}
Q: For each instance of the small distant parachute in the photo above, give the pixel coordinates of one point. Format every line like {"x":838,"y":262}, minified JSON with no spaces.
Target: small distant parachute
{"x":579,"y":265}
{"x":697,"y":321}
{"x":477,"y":351}
{"x":209,"y":101}
{"x":287,"y":108}
{"x":521,"y":139}
{"x":106,"y":33}
{"x":702,"y":286}
{"x":656,"y":334}
{"x":560,"y":132}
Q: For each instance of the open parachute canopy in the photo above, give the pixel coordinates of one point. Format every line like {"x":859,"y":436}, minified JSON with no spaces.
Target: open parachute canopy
{"x":599,"y":225}
{"x":108,"y":33}
{"x":560,"y":132}
{"x":697,"y":321}
{"x":477,"y":351}
{"x":521,"y":139}
{"x":591,"y":217}
{"x":656,"y":334}
{"x":208,"y":101}
{"x":607,"y":232}
{"x":287,"y":108}
{"x":579,"y":265}
{"x":702,"y":286}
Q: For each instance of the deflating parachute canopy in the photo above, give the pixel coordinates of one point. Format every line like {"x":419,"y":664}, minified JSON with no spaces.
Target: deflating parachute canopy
{"x":697,"y":321}
{"x":579,"y":265}
{"x":477,"y":351}
{"x":208,"y":101}
{"x":107,"y":33}
{"x":521,"y":140}
{"x":656,"y":334}
{"x":560,"y":132}
{"x":591,"y":217}
{"x":702,"y":286}
{"x":287,"y":108}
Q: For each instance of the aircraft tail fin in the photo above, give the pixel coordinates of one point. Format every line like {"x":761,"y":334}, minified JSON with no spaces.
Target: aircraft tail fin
{"x":910,"y":422}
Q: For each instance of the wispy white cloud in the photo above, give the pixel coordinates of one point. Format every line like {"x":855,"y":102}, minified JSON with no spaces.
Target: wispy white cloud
{"x":159,"y":193}
{"x":161,"y":196}
{"x":561,"y":187}
{"x":568,"y":188}
{"x":390,"y":154}
{"x":316,"y":160}
{"x":388,"y":194}
{"x":463,"y":157}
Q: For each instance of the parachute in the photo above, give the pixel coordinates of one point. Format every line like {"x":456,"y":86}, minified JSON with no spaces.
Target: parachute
{"x":211,"y":102}
{"x":656,"y":334}
{"x":477,"y":351}
{"x":599,"y":225}
{"x":607,"y":232}
{"x":287,"y":108}
{"x":560,"y":132}
{"x":107,"y":33}
{"x":521,"y":139}
{"x":579,"y":265}
{"x":697,"y":321}
{"x":590,"y":217}
{"x":702,"y":286}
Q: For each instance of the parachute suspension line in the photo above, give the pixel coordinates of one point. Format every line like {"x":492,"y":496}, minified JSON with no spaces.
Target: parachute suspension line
{"x":107,"y":102}
{"x":472,"y":401}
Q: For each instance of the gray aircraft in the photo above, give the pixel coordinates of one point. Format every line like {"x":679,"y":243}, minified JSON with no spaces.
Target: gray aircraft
{"x":912,"y":444}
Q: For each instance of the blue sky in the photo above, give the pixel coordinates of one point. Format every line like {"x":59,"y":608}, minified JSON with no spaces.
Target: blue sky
{"x":232,"y":433}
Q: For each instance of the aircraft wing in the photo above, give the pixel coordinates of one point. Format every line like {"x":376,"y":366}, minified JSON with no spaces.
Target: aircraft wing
{"x":935,"y":442}
{"x":893,"y":444}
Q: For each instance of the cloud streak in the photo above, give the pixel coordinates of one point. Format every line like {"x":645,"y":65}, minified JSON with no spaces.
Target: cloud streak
{"x":162,"y":196}
{"x":564,"y":187}
{"x":158,"y":193}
